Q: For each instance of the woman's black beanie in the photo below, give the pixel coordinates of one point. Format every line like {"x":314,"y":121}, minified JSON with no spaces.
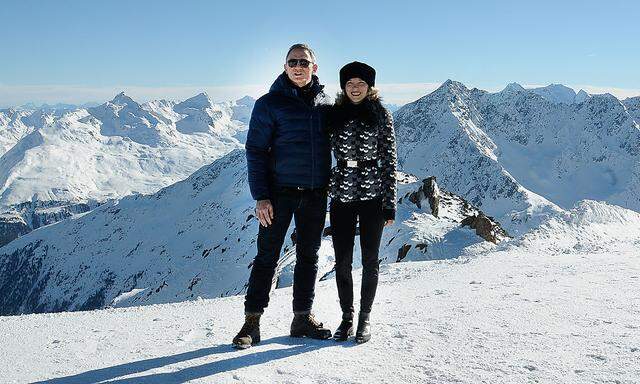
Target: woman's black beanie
{"x":360,"y":70}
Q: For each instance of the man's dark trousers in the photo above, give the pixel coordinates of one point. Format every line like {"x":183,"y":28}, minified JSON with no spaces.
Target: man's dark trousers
{"x":308,"y":207}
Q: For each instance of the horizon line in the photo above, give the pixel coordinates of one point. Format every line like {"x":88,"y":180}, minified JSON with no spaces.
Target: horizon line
{"x":393,"y":93}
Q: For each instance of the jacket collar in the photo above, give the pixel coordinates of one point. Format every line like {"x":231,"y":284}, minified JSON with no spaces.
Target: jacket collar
{"x":283,"y":85}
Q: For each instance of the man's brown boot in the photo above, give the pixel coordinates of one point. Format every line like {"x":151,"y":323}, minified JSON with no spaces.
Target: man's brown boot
{"x":304,"y":324}
{"x":249,"y":333}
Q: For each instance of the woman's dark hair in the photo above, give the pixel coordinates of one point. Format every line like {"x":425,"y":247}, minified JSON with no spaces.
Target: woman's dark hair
{"x":373,"y":94}
{"x":343,"y":109}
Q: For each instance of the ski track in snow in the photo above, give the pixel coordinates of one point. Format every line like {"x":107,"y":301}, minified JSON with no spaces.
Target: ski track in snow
{"x":515,"y":315}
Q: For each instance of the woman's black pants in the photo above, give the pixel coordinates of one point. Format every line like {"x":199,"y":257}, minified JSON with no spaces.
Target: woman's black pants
{"x":344,"y":217}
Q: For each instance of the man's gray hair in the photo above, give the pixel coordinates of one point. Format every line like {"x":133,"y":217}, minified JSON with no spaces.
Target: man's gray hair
{"x":302,"y":46}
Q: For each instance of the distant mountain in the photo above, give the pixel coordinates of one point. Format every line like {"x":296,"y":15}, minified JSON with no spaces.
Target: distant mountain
{"x":15,"y":124}
{"x":392,"y":107}
{"x":520,"y":156}
{"x":55,"y":108}
{"x":633,"y":108}
{"x":556,"y":93}
{"x":123,"y":117}
{"x":75,"y":159}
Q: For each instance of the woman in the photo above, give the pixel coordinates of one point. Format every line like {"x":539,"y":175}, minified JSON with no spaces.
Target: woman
{"x":362,"y":188}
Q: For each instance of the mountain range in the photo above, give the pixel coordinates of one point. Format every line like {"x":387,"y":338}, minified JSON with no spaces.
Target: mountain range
{"x":58,"y":163}
{"x":521,"y":157}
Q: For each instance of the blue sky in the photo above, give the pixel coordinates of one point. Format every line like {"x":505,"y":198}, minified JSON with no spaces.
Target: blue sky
{"x":77,"y":51}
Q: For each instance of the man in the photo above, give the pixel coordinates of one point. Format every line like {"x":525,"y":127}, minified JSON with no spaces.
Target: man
{"x":288,"y":162}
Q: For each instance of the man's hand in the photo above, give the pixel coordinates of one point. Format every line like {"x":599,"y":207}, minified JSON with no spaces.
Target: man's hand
{"x":388,"y":223}
{"x":264,"y":212}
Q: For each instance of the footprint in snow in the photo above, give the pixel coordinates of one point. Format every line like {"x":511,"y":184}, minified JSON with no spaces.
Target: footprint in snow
{"x":187,"y":336}
{"x":597,"y":357}
{"x":400,"y":335}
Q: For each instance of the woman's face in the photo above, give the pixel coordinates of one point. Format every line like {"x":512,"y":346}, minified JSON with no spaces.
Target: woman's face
{"x":356,"y":90}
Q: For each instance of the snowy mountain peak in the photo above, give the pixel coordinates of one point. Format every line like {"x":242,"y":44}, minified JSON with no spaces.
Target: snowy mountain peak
{"x":581,"y":96}
{"x":124,"y":117}
{"x":242,"y":109}
{"x":246,"y":100}
{"x":513,"y":88}
{"x":200,"y":101}
{"x":556,"y":93}
{"x":452,"y":86}
{"x":122,"y":99}
{"x":605,"y":100}
{"x":448,"y":90}
{"x":558,"y":88}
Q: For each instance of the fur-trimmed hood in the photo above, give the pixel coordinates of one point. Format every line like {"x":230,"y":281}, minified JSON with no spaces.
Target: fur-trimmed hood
{"x":370,"y":112}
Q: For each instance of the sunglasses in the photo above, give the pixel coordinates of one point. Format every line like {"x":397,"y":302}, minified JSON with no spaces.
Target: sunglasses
{"x":303,"y":63}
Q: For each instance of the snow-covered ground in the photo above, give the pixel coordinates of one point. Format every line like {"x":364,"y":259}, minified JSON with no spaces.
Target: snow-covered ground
{"x":559,"y":305}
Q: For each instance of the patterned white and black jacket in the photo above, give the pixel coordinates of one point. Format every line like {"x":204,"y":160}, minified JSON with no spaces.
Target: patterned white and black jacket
{"x":363,"y":133}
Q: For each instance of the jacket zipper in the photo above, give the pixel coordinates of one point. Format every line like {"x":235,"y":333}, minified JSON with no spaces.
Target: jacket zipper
{"x":313,"y":166}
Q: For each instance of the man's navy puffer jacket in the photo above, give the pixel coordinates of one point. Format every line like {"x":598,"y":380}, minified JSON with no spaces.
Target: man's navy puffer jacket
{"x":286,"y":143}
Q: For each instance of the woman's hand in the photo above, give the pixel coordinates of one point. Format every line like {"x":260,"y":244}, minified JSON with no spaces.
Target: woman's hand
{"x":388,"y":223}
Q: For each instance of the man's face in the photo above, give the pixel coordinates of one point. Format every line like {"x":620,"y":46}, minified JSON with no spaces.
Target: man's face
{"x":299,"y":75}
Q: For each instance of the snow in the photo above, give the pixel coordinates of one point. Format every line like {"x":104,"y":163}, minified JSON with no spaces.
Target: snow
{"x":127,"y":295}
{"x":519,"y":313}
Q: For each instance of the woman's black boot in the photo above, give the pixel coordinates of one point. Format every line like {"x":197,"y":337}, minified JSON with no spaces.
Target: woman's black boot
{"x":345,"y":329}
{"x":363,"y":334}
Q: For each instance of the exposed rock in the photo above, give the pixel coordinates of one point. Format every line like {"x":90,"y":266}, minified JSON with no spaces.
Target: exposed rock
{"x":450,"y":206}
{"x":422,"y":247}
{"x":23,"y":218}
{"x":430,"y":192}
{"x":402,"y":252}
{"x":12,"y":227}
{"x":486,"y":227}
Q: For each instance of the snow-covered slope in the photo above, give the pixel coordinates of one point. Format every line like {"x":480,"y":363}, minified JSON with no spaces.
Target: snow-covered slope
{"x":512,"y":315}
{"x":520,"y":156}
{"x":633,"y":107}
{"x":167,"y":247}
{"x":193,"y":238}
{"x":589,"y":226}
{"x":13,"y":127}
